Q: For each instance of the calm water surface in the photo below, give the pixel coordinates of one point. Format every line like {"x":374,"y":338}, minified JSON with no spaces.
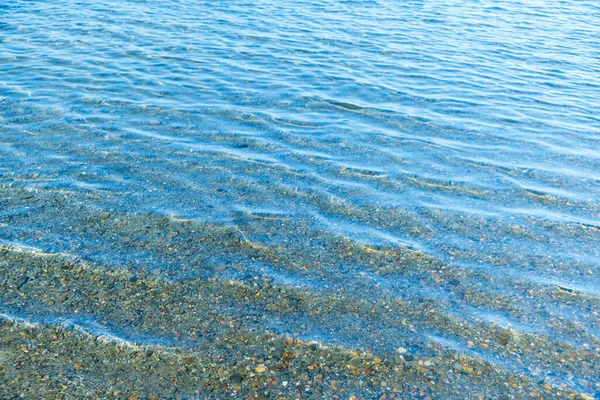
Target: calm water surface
{"x":440,"y":155}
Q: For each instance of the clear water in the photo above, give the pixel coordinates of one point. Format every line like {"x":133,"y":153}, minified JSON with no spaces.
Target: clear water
{"x":464,"y":134}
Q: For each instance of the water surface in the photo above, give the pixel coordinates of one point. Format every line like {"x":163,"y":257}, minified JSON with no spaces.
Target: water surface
{"x":438,"y":160}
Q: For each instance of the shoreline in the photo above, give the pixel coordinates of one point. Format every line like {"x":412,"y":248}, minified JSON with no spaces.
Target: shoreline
{"x":229,"y":359}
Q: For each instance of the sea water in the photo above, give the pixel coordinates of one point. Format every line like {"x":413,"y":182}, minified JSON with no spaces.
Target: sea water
{"x":440,"y":155}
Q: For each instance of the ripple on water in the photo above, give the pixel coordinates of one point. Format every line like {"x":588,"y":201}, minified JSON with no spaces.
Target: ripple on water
{"x":425,"y":174}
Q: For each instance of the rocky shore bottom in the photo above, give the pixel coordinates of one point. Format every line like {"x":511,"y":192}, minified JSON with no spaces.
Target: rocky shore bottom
{"x":199,"y":351}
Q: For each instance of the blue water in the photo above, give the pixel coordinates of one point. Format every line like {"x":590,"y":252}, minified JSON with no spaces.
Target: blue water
{"x":465,"y":132}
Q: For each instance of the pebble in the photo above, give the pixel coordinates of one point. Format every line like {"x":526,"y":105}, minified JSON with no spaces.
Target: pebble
{"x":503,"y":337}
{"x":261,"y":369}
{"x":355,"y":362}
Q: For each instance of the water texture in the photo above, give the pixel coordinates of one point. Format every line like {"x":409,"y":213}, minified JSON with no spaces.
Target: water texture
{"x":401,"y":178}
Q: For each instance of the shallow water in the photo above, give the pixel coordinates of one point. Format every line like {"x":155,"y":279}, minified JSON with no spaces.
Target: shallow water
{"x":429,"y":158}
